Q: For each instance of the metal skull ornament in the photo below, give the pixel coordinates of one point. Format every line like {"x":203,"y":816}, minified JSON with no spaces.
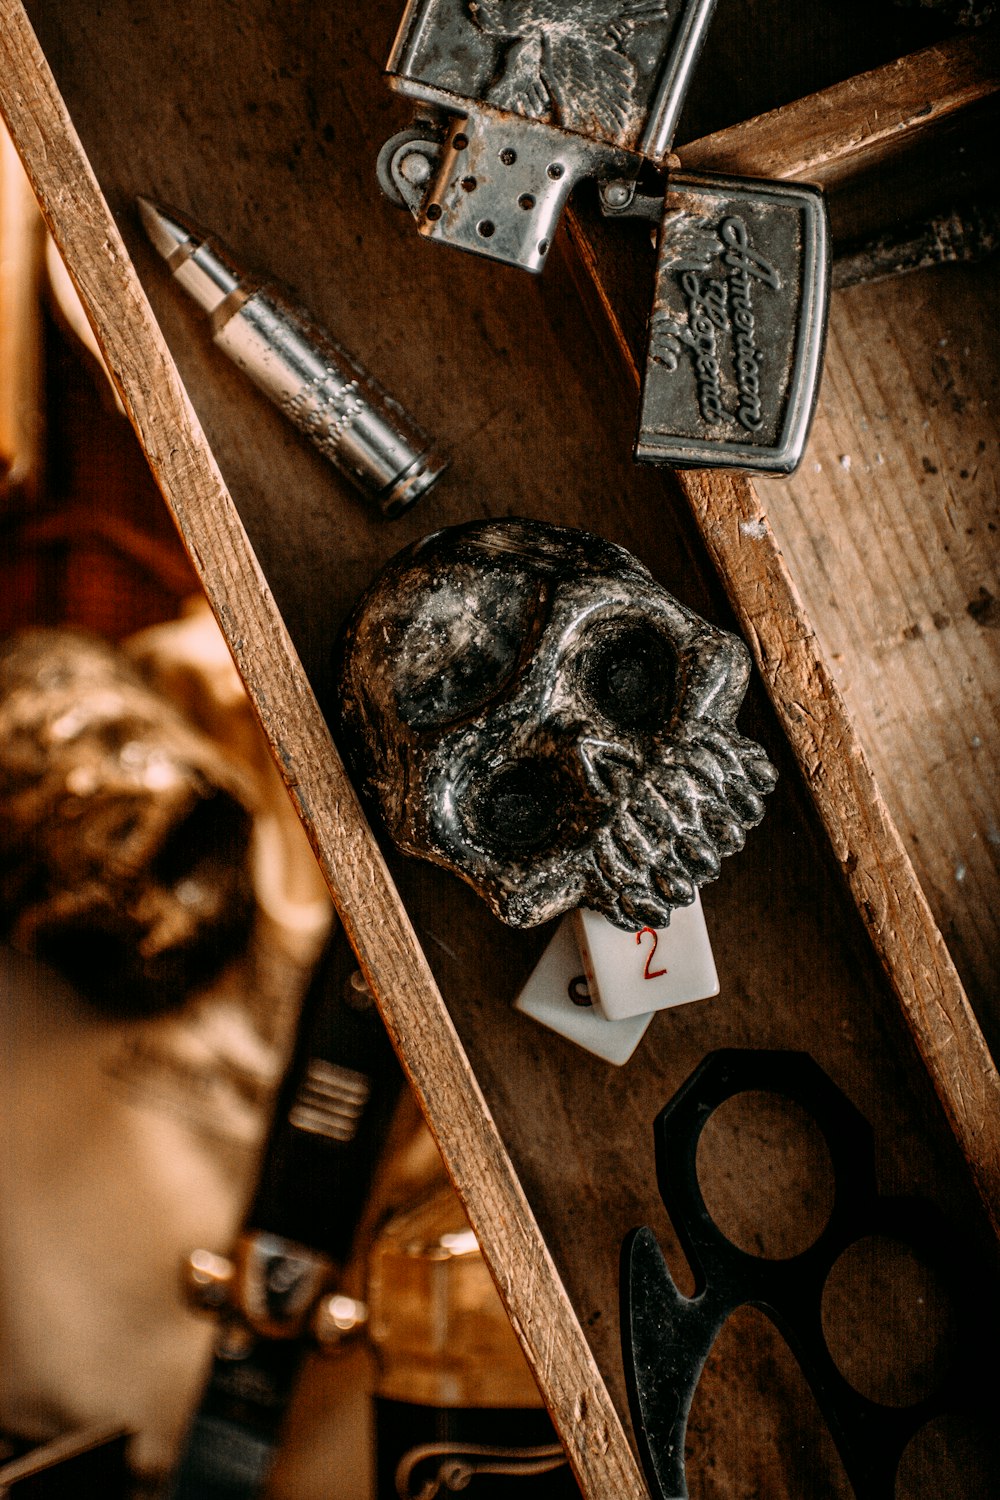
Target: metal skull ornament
{"x":124,"y":831}
{"x":529,"y":708}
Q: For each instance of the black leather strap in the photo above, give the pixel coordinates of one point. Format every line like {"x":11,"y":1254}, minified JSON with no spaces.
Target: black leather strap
{"x":330,"y":1125}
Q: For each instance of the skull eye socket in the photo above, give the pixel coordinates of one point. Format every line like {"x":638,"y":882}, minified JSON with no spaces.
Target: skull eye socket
{"x":518,"y":809}
{"x":456,"y":653}
{"x":630,"y":675}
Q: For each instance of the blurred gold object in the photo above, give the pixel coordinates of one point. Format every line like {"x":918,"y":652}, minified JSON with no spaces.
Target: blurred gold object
{"x":436,"y":1322}
{"x":125,"y":833}
{"x":336,"y":1319}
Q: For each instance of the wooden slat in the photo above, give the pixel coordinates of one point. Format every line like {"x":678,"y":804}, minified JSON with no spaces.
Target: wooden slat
{"x":821,"y":138}
{"x":891,"y":528}
{"x":21,"y":241}
{"x":373,"y":917}
{"x":865,"y":840}
{"x":827,"y":136}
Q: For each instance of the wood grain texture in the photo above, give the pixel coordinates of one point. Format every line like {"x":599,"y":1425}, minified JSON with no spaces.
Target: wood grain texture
{"x":264,"y":122}
{"x":865,"y":840}
{"x":21,"y":242}
{"x":856,"y":124}
{"x":373,"y":918}
{"x":892,"y":526}
{"x":821,"y":138}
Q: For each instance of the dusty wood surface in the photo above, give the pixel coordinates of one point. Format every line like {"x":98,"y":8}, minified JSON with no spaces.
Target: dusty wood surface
{"x":830,"y":135}
{"x":368,"y":906}
{"x":859,"y":568}
{"x":20,"y":335}
{"x":266,"y":127}
{"x":891,"y":528}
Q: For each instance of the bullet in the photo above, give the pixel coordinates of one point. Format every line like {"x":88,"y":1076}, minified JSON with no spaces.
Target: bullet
{"x":299,"y":365}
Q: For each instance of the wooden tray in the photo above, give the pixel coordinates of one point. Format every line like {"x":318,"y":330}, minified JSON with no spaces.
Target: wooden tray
{"x":264,"y":123}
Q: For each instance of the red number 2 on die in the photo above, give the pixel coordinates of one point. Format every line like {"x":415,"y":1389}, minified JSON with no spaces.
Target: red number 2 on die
{"x":647,"y":972}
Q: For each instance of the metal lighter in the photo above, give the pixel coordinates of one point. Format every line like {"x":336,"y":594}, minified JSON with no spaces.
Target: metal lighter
{"x":299,"y":365}
{"x":528,"y":97}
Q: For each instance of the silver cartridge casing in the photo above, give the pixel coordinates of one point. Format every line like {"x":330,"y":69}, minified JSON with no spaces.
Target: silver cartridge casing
{"x":296,"y":362}
{"x":327,"y":395}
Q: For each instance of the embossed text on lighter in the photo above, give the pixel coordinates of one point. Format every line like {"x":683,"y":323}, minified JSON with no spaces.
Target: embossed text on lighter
{"x":527,"y":97}
{"x":737,"y":327}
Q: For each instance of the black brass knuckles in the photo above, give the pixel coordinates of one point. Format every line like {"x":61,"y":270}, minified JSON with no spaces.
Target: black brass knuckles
{"x":667,"y":1337}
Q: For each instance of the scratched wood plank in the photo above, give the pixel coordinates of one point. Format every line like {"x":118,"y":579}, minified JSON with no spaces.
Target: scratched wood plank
{"x":908,"y":723}
{"x":892,"y":543}
{"x":367,"y":903}
{"x":828,"y":136}
{"x":891,"y":529}
{"x":550,"y":1150}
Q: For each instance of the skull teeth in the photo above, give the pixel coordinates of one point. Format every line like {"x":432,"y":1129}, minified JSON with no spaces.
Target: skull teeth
{"x":727,"y":832}
{"x":722,"y":748}
{"x":676,"y":888}
{"x":746,"y":804}
{"x":616,"y":860}
{"x":761,"y":774}
{"x":641,"y":906}
{"x":705,"y":766}
{"x":699,"y":854}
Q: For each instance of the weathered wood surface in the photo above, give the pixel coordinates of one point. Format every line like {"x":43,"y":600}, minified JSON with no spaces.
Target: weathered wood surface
{"x":863,"y":559}
{"x":20,"y":342}
{"x":265,"y":126}
{"x":892,"y":528}
{"x":828,"y":136}
{"x":367,"y":903}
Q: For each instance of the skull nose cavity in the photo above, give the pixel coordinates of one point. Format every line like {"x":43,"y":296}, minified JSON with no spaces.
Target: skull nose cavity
{"x":602,"y":759}
{"x":629,"y":675}
{"x":519,"y":808}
